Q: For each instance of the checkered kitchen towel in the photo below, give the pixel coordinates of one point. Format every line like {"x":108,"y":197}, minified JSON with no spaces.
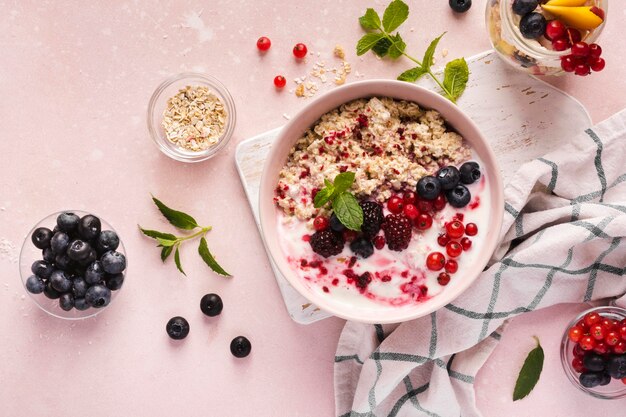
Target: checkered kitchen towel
{"x":563,"y":240}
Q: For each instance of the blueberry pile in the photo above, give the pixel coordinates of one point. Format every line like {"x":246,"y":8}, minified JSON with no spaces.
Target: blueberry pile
{"x":533,"y":24}
{"x":80,"y":265}
{"x":450,"y":181}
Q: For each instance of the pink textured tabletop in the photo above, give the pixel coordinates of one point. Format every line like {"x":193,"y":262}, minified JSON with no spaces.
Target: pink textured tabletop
{"x":75,"y":80}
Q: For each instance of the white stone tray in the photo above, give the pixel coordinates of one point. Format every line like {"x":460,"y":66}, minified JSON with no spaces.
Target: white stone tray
{"x":522,"y":117}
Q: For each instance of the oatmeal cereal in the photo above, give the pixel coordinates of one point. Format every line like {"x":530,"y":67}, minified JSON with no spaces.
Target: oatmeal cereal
{"x":194,"y":119}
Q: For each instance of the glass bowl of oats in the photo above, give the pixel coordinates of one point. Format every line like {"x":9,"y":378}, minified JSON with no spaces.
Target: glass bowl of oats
{"x":191,"y":117}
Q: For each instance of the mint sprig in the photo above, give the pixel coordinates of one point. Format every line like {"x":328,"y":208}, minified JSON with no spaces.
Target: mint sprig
{"x":169,"y":242}
{"x":344,"y":204}
{"x":382,"y":42}
{"x":530,"y":372}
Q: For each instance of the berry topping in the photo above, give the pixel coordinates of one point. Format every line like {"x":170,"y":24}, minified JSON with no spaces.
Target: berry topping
{"x":471,"y":229}
{"x":41,"y":237}
{"x":428,"y":188}
{"x":443,"y":239}
{"x":423,"y":222}
{"x":300,"y":50}
{"x":560,"y":44}
{"x":397,"y":228}
{"x":425,"y":206}
{"x":435,"y":261}
{"x":459,"y":196}
{"x":455,"y":229}
{"x":555,"y":29}
{"x":568,"y":64}
{"x":327,"y":243}
{"x":263,"y":43}
{"x":451,"y":266}
{"x":521,"y":7}
{"x":211,"y":305}
{"x":466,"y":243}
{"x":362,"y":247}
{"x":395,"y":204}
{"x":454,"y":249}
{"x":582,"y":70}
{"x":280,"y":81}
{"x":335,"y":224}
{"x":580,"y":49}
{"x":320,"y":223}
{"x":595,"y":50}
{"x":597,"y":64}
{"x":440,"y":202}
{"x":411,"y":211}
{"x":379,"y":242}
{"x":372,"y":218}
{"x":448,"y":177}
{"x":177,"y":328}
{"x":409,"y":197}
{"x":443,"y":278}
{"x":469,"y":172}
{"x":460,"y":6}
{"x":532,"y":25}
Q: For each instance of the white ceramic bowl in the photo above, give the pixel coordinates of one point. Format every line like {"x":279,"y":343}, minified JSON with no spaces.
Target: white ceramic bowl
{"x":456,"y":119}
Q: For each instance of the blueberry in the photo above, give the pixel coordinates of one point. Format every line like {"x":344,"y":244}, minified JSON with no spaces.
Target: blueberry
{"x":50,"y":292}
{"x":335,"y":224}
{"x":470,"y":172}
{"x":42,"y":269}
{"x":240,"y":347}
{"x":62,"y":261}
{"x":41,"y":237}
{"x":114,"y":282}
{"x":94,"y":273}
{"x":594,"y":362}
{"x":177,"y":328}
{"x":448,"y":177}
{"x":616,"y":366}
{"x":78,"y":249}
{"x":362,"y":247}
{"x":89,"y":227}
{"x":113,"y":262}
{"x":35,"y":285}
{"x":98,"y":296}
{"x":92,"y":257}
{"x":48,"y":255}
{"x":606,"y":379}
{"x":66,"y":302}
{"x":68,"y":222}
{"x":80,"y":304}
{"x":460,"y":6}
{"x":79,"y":287}
{"x":521,"y":7}
{"x":60,"y":281}
{"x":107,"y":240}
{"x":459,"y":196}
{"x":428,"y":187}
{"x":532,"y":25}
{"x":590,"y":379}
{"x":211,"y":305}
{"x":59,"y":242}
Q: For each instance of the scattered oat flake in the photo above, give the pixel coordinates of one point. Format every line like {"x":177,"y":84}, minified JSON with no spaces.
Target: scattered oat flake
{"x":444,"y":52}
{"x":300,"y":90}
{"x":339,"y":52}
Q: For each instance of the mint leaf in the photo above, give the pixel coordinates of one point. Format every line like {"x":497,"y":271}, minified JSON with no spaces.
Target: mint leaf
{"x":413,"y":74}
{"x":397,"y":47}
{"x":455,"y":78}
{"x":166,"y":242}
{"x":530,"y":372}
{"x":177,"y":218}
{"x":177,"y":261}
{"x":427,"y":62}
{"x":343,"y":182}
{"x":348,"y":211}
{"x":382,"y":47}
{"x":328,"y":183}
{"x":367,"y":42}
{"x":156,"y":234}
{"x":323,"y":196}
{"x":370,"y":20}
{"x":206,"y":256}
{"x":165,"y":252}
{"x":395,"y":14}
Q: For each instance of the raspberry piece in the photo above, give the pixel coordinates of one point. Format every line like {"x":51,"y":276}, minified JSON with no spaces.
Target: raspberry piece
{"x":397,"y":228}
{"x":327,"y":243}
{"x":372,"y":218}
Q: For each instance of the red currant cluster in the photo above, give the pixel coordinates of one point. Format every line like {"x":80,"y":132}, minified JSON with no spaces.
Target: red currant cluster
{"x":583,"y":58}
{"x":299,"y":51}
{"x":418,"y":210}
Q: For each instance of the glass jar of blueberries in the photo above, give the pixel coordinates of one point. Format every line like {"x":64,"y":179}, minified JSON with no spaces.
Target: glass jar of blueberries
{"x":593,"y":352}
{"x":72,"y":264}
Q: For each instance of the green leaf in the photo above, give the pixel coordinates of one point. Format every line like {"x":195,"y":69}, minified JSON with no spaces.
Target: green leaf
{"x":156,"y":234}
{"x":427,"y":62}
{"x":165,"y":252}
{"x":166,"y":243}
{"x":529,"y":375}
{"x":367,"y":42}
{"x":343,"y":182}
{"x":455,"y":78}
{"x":370,"y":20}
{"x":323,"y":196}
{"x":203,"y":250}
{"x":382,"y":47}
{"x":413,"y":74}
{"x":327,"y":183}
{"x":177,"y":261}
{"x":177,"y":218}
{"x":397,"y":47}
{"x":348,"y":211}
{"x":395,"y":14}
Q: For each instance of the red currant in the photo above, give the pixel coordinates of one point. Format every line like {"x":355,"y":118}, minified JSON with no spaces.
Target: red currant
{"x":263,"y":43}
{"x":607,"y":323}
{"x":423,"y":221}
{"x":320,"y":223}
{"x":425,"y":206}
{"x":395,"y":205}
{"x":560,"y":44}
{"x":578,"y":352}
{"x":299,"y":51}
{"x":379,"y":242}
{"x":573,"y":35}
{"x":555,"y":29}
{"x":471,"y":229}
{"x":577,"y":365}
{"x":575,"y":333}
{"x":582,"y":69}
{"x":595,"y":50}
{"x":455,"y":229}
{"x":612,"y":338}
{"x":440,"y":202}
{"x":597,"y":64}
{"x":620,"y":347}
{"x":443,"y":278}
{"x":592,"y":318}
{"x":587,"y":343}
{"x":409,"y":197}
{"x":597,"y":331}
{"x":435,"y":261}
{"x":622,"y":330}
{"x":580,"y":49}
{"x":623,"y":381}
{"x":568,"y":64}
{"x":454,"y":249}
{"x":466,"y":243}
{"x":411,"y":211}
{"x":601,"y":348}
{"x":280,"y":81}
{"x":581,"y":323}
{"x":443,"y":239}
{"x":451,"y":266}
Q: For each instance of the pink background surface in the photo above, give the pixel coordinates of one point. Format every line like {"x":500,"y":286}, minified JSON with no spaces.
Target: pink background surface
{"x":75,"y":80}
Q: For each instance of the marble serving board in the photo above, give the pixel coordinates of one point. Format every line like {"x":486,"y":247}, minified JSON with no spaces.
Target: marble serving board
{"x":522,"y":117}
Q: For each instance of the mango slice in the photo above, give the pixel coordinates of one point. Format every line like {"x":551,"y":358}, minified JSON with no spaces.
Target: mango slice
{"x":577,"y":17}
{"x":567,"y":3}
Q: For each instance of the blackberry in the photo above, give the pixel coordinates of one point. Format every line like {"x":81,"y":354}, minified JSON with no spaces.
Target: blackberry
{"x":327,"y":243}
{"x":372,"y":218}
{"x":397,"y":228}
{"x":362,"y":247}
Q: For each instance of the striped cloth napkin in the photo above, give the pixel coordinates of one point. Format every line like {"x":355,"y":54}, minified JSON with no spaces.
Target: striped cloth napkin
{"x":563,"y":240}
